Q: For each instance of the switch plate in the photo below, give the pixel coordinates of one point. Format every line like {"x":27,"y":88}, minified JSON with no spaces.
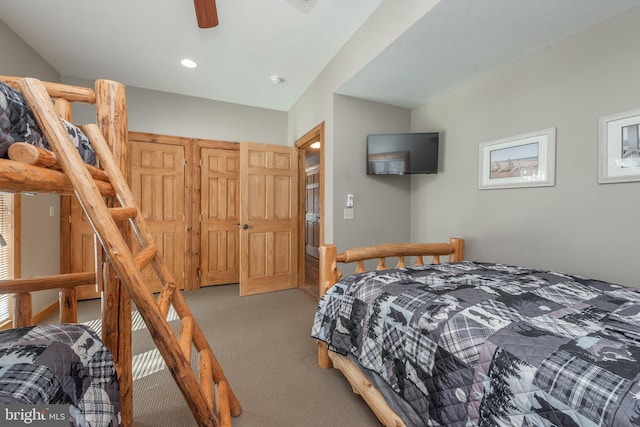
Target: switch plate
{"x":348,"y":213}
{"x":52,"y":211}
{"x":349,"y":200}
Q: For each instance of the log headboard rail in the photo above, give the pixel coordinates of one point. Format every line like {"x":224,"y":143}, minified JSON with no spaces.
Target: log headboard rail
{"x":329,"y":257}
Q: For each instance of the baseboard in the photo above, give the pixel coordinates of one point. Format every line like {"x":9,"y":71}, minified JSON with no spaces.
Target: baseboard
{"x":37,"y":318}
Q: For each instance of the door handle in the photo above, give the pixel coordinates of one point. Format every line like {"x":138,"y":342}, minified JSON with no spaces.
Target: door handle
{"x":244,"y":226}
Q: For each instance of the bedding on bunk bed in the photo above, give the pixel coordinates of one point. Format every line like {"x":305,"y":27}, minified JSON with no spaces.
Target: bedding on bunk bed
{"x":60,"y":364}
{"x":18,"y":124}
{"x":486,"y":344}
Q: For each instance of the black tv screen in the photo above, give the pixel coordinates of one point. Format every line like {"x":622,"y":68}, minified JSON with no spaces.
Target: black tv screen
{"x":402,"y":153}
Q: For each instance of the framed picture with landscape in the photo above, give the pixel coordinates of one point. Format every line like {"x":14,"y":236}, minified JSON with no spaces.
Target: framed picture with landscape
{"x":526,"y":160}
{"x":619,"y":146}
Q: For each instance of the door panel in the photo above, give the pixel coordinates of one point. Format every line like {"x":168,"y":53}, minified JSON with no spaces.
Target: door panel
{"x":268,"y":208}
{"x":158,"y":182}
{"x":220,"y":203}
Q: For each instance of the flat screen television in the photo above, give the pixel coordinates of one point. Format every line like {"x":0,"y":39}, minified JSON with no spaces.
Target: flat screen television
{"x":402,"y":153}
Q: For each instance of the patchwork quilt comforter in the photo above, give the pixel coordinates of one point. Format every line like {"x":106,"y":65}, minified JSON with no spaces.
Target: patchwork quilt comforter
{"x":18,"y":124}
{"x":492,"y":345}
{"x":60,"y":364}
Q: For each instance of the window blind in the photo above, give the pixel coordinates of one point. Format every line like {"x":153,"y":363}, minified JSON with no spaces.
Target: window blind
{"x":6,"y":250}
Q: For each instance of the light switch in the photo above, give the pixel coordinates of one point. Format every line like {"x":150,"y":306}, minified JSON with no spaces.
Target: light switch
{"x":52,"y":211}
{"x":348,"y":213}
{"x":349,"y":200}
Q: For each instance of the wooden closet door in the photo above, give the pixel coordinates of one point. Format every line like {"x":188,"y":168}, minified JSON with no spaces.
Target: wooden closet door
{"x":158,"y":184}
{"x":220,"y":204}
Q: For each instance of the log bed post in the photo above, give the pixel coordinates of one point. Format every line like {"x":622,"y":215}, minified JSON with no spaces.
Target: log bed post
{"x":329,"y":275}
{"x":111,"y":117}
{"x":457,"y":245}
{"x":22,"y":310}
{"x":68,"y":305}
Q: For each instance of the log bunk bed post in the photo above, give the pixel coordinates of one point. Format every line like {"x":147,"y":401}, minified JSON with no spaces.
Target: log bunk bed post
{"x":111,"y":115}
{"x":109,"y":220}
{"x":329,"y":276}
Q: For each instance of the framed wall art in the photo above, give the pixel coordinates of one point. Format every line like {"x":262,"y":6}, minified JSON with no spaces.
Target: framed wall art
{"x":526,"y":160}
{"x":619,"y":147}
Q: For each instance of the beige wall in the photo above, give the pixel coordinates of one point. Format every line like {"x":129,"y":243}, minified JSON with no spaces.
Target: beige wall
{"x":381,"y":203}
{"x":170,"y":114}
{"x":577,"y":226}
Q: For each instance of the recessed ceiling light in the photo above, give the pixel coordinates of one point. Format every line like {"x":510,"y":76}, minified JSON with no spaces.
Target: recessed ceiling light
{"x":189,"y":63}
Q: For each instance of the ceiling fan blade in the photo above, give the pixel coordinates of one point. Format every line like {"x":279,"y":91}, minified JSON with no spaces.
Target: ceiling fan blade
{"x":206,"y":13}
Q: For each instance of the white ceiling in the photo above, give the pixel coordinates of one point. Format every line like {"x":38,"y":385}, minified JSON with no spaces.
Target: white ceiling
{"x":140,"y":43}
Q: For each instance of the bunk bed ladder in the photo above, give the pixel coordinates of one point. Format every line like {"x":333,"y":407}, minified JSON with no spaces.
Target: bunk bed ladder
{"x":208,"y":395}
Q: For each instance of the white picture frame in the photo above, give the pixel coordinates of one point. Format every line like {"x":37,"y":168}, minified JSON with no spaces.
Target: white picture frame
{"x":526,"y":160}
{"x":619,"y":147}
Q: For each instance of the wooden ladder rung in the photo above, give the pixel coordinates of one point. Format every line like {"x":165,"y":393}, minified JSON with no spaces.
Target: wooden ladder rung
{"x":145,"y":256}
{"x":125,"y":212}
{"x":185,"y":336}
{"x":165,"y":297}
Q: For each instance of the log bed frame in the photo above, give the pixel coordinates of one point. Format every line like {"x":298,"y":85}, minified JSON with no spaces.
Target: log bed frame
{"x":31,"y":169}
{"x":110,"y":206}
{"x":329,"y":276}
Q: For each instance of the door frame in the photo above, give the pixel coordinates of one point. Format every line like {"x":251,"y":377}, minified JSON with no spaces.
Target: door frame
{"x":313,"y":135}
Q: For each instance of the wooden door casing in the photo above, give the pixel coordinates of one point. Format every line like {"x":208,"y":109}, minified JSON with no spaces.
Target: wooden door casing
{"x":268,"y":218}
{"x":219,"y":216}
{"x":310,"y":146}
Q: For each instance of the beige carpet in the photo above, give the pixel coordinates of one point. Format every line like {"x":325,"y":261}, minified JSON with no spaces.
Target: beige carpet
{"x":264,"y":346}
